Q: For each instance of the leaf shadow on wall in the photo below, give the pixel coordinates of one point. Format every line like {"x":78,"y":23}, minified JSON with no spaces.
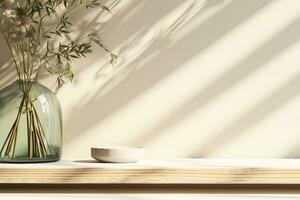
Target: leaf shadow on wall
{"x":272,"y":48}
{"x":81,"y":27}
{"x":260,"y":111}
{"x":7,"y":70}
{"x":159,"y":53}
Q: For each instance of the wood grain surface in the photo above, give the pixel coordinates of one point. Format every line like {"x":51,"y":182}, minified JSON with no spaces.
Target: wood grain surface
{"x":155,"y":172}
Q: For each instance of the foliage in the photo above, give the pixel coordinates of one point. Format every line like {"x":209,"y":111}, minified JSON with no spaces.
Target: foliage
{"x":38,"y":33}
{"x":31,"y":28}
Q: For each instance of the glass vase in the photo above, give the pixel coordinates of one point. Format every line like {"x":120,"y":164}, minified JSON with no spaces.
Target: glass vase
{"x":30,"y":123}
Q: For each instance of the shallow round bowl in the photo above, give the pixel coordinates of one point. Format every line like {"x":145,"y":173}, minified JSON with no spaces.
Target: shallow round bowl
{"x":118,"y":154}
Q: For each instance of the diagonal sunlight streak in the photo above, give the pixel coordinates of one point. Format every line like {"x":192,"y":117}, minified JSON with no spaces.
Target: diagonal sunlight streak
{"x":93,"y":109}
{"x":258,"y":126}
{"x":181,"y":79}
{"x":138,"y":45}
{"x":122,"y":120}
{"x":94,"y":62}
{"x":159,"y":68}
{"x":205,"y":99}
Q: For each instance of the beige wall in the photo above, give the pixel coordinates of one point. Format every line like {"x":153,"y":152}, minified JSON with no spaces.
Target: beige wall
{"x":195,"y":78}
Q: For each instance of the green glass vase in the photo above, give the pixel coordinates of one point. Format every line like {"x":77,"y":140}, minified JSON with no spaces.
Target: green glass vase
{"x":30,"y":123}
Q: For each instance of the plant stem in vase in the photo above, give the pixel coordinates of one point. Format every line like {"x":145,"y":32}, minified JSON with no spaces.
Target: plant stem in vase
{"x":37,"y":34}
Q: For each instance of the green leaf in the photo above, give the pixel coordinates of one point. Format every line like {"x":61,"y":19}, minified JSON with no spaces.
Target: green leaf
{"x":113,"y":58}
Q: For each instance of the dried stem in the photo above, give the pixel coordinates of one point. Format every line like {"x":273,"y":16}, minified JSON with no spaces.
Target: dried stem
{"x":38,"y":146}
{"x":34,"y":43}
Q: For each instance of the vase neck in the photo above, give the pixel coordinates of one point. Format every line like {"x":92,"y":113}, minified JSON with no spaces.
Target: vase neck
{"x":25,"y":85}
{"x":26,"y":81}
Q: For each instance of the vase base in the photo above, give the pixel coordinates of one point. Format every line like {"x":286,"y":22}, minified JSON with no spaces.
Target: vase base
{"x":24,"y":160}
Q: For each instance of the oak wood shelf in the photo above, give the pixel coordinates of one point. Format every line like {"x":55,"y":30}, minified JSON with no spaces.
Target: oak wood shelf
{"x":185,"y":171}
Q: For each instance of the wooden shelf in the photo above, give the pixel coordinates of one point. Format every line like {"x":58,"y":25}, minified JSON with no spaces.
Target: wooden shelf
{"x":186,"y":171}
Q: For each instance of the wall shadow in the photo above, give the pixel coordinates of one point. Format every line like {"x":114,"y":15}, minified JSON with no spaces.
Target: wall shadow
{"x":264,"y":109}
{"x":162,"y":53}
{"x":7,"y":70}
{"x":122,"y":26}
{"x":273,"y":47}
{"x":294,"y":152}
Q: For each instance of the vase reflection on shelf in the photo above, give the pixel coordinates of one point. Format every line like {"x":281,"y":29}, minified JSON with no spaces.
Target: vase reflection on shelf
{"x":30,"y":123}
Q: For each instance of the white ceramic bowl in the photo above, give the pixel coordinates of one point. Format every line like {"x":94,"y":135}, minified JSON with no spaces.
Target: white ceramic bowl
{"x":118,"y":154}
